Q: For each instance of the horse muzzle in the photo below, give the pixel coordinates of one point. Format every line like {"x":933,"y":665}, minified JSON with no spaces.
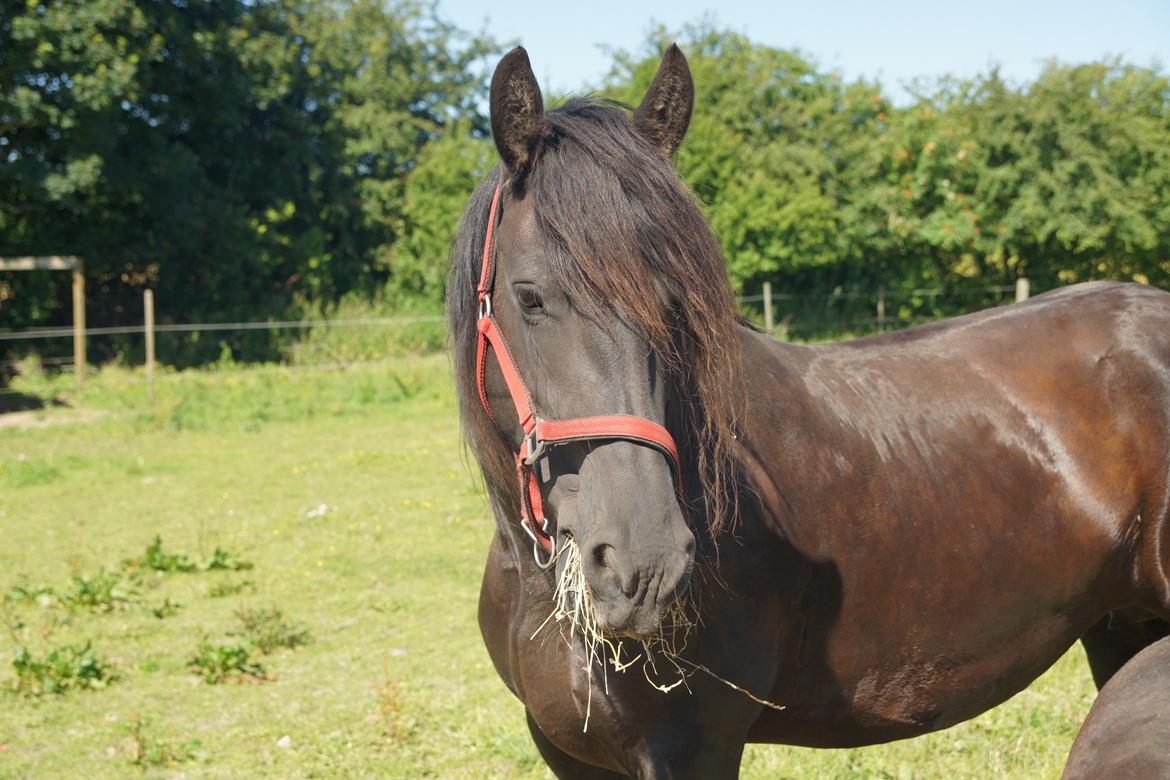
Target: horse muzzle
{"x":631,"y":589}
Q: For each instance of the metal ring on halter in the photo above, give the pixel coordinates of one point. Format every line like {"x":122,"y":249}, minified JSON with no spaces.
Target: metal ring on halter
{"x":485,"y":306}
{"x":544,"y":565}
{"x":536,"y":545}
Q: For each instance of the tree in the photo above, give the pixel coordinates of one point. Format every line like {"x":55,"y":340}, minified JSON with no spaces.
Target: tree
{"x":770,"y":140}
{"x":436,"y":192}
{"x":821,"y":185}
{"x":238,"y":156}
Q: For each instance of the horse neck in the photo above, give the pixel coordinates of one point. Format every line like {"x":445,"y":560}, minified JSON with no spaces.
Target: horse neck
{"x":776,"y":441}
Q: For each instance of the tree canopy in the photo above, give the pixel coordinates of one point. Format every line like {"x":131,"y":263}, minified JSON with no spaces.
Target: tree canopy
{"x":809,"y":180}
{"x":247,"y":158}
{"x":240,"y":157}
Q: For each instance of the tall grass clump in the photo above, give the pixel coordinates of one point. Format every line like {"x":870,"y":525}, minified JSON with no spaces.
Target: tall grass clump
{"x":62,"y":668}
{"x":223,"y":662}
{"x":267,"y":629}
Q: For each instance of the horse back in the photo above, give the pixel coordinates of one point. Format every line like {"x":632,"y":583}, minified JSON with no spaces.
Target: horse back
{"x":1072,"y":387}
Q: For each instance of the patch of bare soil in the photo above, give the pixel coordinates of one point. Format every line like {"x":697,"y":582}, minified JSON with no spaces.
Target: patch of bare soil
{"x":43,"y":418}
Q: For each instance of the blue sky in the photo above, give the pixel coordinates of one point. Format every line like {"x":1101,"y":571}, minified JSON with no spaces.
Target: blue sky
{"x":893,"y":41}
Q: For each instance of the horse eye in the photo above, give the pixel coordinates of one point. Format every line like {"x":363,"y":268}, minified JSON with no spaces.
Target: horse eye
{"x":529,"y":298}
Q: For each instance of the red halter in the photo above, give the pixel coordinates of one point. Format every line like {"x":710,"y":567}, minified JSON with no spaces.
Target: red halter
{"x":540,"y":434}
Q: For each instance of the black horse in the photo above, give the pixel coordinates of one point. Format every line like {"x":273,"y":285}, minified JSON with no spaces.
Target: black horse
{"x":878,"y":538}
{"x":1127,"y":733}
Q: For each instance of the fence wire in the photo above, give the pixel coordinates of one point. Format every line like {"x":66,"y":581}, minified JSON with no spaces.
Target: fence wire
{"x":201,"y":327}
{"x":803,"y":314}
{"x":65,"y":331}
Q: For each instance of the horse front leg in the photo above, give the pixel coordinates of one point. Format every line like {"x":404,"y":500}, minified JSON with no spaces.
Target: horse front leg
{"x":683,"y":758}
{"x":561,"y":763}
{"x":665,"y":755}
{"x":1111,"y":642}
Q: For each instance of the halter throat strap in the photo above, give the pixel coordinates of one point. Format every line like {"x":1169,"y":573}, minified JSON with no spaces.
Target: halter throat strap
{"x":541,"y":434}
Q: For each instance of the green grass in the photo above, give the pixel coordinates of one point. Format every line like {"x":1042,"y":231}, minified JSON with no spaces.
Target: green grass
{"x":349,"y":494}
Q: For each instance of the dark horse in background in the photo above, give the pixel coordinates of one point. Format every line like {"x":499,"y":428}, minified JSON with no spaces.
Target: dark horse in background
{"x":1127,"y":733}
{"x":884,"y":536}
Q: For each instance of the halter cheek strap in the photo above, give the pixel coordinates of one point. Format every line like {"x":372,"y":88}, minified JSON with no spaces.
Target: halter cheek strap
{"x":540,"y":434}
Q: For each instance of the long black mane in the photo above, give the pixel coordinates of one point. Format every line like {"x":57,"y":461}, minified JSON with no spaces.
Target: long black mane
{"x":625,"y":236}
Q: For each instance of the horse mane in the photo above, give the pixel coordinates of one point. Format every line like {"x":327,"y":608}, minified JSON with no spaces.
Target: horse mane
{"x":625,"y":236}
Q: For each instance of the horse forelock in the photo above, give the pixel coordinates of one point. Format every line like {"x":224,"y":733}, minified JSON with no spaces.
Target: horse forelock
{"x":625,"y":237}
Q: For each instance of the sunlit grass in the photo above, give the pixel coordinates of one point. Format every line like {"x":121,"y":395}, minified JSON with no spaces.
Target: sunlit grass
{"x":348,"y":492}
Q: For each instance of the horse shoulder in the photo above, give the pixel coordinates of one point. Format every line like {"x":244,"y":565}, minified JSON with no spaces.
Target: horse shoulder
{"x":497,"y":609}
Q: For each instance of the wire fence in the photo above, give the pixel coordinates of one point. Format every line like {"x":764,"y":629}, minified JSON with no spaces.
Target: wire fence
{"x":857,"y":312}
{"x":211,"y":327}
{"x":791,"y":315}
{"x":854,"y":295}
{"x":61,"y":333}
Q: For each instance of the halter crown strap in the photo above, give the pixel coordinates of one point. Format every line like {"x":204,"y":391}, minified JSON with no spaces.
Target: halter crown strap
{"x":487,"y":269}
{"x":540,"y":434}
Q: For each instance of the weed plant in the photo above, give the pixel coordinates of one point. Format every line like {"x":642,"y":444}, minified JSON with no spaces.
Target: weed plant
{"x":63,"y":668}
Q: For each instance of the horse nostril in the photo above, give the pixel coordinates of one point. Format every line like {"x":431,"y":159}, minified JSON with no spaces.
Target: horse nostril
{"x":615,"y":575}
{"x":599,"y":553}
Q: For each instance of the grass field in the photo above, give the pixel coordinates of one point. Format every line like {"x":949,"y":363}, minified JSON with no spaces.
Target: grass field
{"x":348,"y":493}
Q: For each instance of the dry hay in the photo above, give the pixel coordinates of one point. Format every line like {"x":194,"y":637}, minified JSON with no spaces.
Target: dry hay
{"x":576,"y":613}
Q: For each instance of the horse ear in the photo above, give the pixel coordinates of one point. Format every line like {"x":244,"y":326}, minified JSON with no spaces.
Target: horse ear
{"x":665,"y":112}
{"x":517,"y":111}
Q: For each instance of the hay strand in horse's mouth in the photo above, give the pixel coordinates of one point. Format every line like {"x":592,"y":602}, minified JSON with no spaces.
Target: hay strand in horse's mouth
{"x":575,"y":610}
{"x":573,"y":607}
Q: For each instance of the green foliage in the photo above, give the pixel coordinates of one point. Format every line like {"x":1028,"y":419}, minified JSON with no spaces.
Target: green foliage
{"x":231,"y":588}
{"x":235,"y":157}
{"x":770,"y":138}
{"x":23,"y":471}
{"x":155,"y":559}
{"x":260,"y":631}
{"x":436,"y":192}
{"x":283,"y":159}
{"x":223,"y":560}
{"x":823,"y":187}
{"x":373,"y":330}
{"x":148,"y":750}
{"x":166,"y":609}
{"x":30,"y":594}
{"x":61,"y":669}
{"x":100,"y":592}
{"x":246,"y":399}
{"x":267,"y":630}
{"x":223,"y":662}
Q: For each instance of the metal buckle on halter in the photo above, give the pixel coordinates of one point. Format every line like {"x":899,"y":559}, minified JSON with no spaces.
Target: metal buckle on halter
{"x":534,"y":446}
{"x":485,"y":306}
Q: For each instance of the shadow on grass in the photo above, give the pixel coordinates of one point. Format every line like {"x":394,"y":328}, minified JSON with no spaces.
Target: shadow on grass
{"x":13,"y":401}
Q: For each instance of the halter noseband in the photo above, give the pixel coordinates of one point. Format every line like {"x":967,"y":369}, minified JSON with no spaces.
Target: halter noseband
{"x":540,"y":434}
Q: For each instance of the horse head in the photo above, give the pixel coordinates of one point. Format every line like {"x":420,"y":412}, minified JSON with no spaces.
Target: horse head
{"x":604,"y":289}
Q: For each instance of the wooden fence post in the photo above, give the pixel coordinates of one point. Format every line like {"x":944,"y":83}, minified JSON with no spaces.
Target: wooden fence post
{"x":881,"y":308}
{"x":79,"y":320}
{"x":1023,"y":289}
{"x":768,"y":321}
{"x":148,"y":306}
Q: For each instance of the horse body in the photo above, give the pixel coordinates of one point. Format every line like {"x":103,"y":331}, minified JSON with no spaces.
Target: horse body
{"x":974,"y":494}
{"x":932,"y":518}
{"x":926,"y":519}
